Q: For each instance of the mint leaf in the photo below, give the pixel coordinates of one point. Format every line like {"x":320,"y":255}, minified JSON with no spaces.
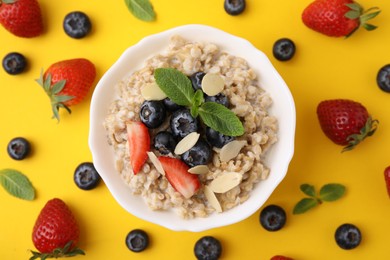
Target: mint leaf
{"x":304,"y":205}
{"x":309,"y":190}
{"x":142,"y":9}
{"x":332,"y":192}
{"x":221,"y":119}
{"x":197,"y":100}
{"x":17,"y":184}
{"x":175,"y":85}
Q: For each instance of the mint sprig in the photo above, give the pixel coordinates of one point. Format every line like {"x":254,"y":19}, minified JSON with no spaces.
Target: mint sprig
{"x":17,"y":184}
{"x":177,"y":86}
{"x":328,"y":192}
{"x":141,"y":9}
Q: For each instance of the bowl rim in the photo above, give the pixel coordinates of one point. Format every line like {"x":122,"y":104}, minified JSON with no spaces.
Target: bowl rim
{"x":115,"y":72}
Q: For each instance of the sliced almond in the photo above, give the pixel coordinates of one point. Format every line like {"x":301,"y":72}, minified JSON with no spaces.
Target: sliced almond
{"x":186,"y":143}
{"x":231,"y":150}
{"x":152,"y":91}
{"x":212,"y":199}
{"x":212,"y":84}
{"x":225,"y":182}
{"x":156,"y":162}
{"x":199,"y":169}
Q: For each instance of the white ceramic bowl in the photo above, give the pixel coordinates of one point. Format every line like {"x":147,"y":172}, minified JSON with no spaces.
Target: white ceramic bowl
{"x":278,"y":158}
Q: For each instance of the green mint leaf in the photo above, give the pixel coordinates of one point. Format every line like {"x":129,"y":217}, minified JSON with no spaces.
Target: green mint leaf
{"x":194,"y":111}
{"x":142,"y":9}
{"x":304,"y":205}
{"x":198,"y":98}
{"x":17,"y":184}
{"x":175,"y":85}
{"x":221,"y":119}
{"x":332,"y":192}
{"x":309,"y":190}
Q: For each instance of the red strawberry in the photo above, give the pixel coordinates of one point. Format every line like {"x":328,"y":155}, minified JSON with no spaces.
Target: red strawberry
{"x":387,"y":179}
{"x":139,"y":144}
{"x":345,"y":122}
{"x":338,"y":17}
{"x":178,"y":176}
{"x":56,"y":232}
{"x":67,"y":83}
{"x":21,"y":17}
{"x":280,"y":257}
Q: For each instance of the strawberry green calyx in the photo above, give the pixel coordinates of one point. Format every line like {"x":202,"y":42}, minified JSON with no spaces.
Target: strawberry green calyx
{"x":357,"y":12}
{"x":367,"y":130}
{"x":7,"y":1}
{"x":66,"y":251}
{"x":53,"y":91}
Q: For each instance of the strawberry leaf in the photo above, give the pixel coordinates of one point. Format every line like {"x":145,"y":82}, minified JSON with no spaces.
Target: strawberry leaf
{"x":17,"y":184}
{"x":352,"y":14}
{"x":332,"y":192}
{"x":308,"y":189}
{"x":369,"y":27}
{"x":304,"y":205}
{"x":355,"y":6}
{"x":66,"y":251}
{"x":58,"y":87}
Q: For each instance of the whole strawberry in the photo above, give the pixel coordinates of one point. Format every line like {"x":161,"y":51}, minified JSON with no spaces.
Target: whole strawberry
{"x":22,"y":18}
{"x":67,"y":83}
{"x":56,"y":232}
{"x":387,"y":179}
{"x":345,"y":122}
{"x":338,"y":18}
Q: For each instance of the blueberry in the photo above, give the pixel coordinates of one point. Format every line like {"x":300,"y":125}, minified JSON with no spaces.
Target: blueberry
{"x":18,"y":148}
{"x":170,"y":105}
{"x":164,"y":142}
{"x":219,"y":98}
{"x":383,"y":78}
{"x":234,"y":7}
{"x":196,"y":80}
{"x":182,"y":123}
{"x":77,"y":24}
{"x":217,"y":139}
{"x":283,"y":49}
{"x":208,"y":248}
{"x":86,"y":177}
{"x":199,"y":154}
{"x":348,"y":236}
{"x":14,"y":63}
{"x":152,"y":113}
{"x":272,"y":218}
{"x":137,"y":240}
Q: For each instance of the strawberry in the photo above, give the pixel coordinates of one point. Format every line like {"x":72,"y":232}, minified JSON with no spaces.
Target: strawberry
{"x":67,"y":83}
{"x":178,"y":176}
{"x":338,"y":17}
{"x":280,"y":257}
{"x":387,"y":179}
{"x":139,"y":144}
{"x":56,"y":232}
{"x":345,"y":122}
{"x":22,"y":18}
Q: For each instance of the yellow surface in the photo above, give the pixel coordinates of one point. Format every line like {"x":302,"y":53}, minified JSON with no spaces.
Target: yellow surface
{"x":322,"y":68}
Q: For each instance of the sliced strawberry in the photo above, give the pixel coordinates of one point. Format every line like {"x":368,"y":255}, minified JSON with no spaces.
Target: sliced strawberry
{"x":139,"y":144}
{"x":178,"y":176}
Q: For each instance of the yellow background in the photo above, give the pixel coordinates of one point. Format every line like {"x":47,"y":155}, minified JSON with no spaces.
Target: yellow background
{"x":323,"y":68}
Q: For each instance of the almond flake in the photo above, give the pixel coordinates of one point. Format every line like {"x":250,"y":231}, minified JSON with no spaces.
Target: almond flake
{"x":156,"y":162}
{"x":225,"y":182}
{"x":187,"y":143}
{"x":212,"y":84}
{"x":152,"y":91}
{"x":199,"y":169}
{"x":212,"y":199}
{"x":231,"y":150}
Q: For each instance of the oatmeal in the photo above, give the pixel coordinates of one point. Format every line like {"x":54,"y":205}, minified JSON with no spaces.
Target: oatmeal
{"x":247,"y":100}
